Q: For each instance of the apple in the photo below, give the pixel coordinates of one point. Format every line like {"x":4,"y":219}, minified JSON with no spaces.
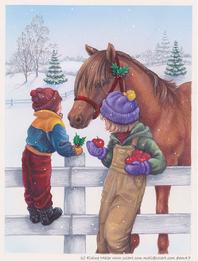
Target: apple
{"x":98,"y":142}
{"x":130,"y":159}
{"x":137,"y":153}
{"x":145,"y":156}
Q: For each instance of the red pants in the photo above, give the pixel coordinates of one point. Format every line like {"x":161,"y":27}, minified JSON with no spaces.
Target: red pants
{"x":36,"y":171}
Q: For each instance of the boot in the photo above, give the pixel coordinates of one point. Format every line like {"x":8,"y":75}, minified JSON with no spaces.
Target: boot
{"x":34,"y":215}
{"x":48,"y":215}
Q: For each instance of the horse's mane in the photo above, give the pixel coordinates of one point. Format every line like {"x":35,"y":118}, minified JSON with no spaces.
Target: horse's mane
{"x":165,"y":90}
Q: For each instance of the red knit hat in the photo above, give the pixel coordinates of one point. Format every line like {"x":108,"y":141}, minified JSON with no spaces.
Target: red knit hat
{"x":45,"y":99}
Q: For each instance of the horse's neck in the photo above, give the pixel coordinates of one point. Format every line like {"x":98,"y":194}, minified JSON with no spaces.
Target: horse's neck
{"x":138,"y":80}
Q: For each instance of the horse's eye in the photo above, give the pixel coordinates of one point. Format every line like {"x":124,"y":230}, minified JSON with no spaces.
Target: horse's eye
{"x":103,"y":82}
{"x":106,"y":81}
{"x":98,"y":85}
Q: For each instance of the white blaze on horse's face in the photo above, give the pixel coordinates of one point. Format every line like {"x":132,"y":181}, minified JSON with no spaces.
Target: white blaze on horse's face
{"x":91,"y":86}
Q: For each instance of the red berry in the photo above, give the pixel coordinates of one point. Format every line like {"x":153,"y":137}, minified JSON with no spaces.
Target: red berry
{"x":98,"y":142}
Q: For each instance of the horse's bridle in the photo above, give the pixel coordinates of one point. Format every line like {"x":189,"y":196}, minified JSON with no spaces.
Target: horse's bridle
{"x":113,"y":86}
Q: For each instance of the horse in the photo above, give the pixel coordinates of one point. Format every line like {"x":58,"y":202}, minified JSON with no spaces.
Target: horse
{"x":164,"y":107}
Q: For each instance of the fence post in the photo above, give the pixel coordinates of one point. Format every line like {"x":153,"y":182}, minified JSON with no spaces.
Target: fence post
{"x":74,"y":203}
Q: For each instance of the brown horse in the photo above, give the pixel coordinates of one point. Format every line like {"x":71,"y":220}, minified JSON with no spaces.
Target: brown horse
{"x":164,"y":107}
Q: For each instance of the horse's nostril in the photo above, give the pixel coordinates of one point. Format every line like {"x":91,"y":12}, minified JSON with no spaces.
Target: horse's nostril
{"x":78,"y":119}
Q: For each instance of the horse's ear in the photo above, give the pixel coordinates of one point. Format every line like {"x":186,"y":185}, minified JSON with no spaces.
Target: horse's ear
{"x":111,"y":53}
{"x":90,"y":50}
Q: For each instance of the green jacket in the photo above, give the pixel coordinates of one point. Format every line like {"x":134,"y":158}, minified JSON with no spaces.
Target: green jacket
{"x":144,"y":142}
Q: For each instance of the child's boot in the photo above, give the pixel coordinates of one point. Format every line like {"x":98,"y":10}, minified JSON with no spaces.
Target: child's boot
{"x":34,"y":215}
{"x":48,"y":215}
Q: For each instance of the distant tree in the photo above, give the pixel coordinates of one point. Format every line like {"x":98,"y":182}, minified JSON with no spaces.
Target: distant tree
{"x":165,"y":48}
{"x":55,"y":75}
{"x":32,"y":48}
{"x":162,"y":50}
{"x":38,"y":36}
{"x":175,"y":65}
{"x":157,"y":55}
{"x":22,"y":61}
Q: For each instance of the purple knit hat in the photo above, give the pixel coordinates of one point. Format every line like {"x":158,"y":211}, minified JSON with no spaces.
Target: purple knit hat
{"x":117,"y":108}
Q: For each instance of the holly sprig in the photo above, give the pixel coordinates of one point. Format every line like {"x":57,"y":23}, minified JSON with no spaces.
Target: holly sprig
{"x":78,"y":140}
{"x":119,"y":70}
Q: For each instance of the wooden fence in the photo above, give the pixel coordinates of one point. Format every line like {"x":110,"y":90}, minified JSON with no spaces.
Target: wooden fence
{"x":13,"y":102}
{"x":75,"y":224}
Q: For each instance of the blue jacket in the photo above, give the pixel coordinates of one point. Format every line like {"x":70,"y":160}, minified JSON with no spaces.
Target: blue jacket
{"x":47,"y":134}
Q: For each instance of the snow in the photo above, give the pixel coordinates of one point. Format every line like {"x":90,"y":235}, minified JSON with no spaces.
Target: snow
{"x":160,"y":69}
{"x":16,"y":88}
{"x":68,"y":67}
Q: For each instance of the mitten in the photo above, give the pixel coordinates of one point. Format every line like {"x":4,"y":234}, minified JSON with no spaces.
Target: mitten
{"x":95,"y":151}
{"x":138,"y":168}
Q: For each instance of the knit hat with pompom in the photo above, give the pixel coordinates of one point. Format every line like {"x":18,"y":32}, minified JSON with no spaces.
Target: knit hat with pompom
{"x":120,"y":108}
{"x":45,"y":99}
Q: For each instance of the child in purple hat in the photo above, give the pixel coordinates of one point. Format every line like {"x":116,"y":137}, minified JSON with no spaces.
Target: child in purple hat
{"x":125,"y":182}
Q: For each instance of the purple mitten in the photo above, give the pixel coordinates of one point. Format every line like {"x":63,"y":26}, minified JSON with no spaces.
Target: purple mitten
{"x":95,"y":151}
{"x":138,"y":168}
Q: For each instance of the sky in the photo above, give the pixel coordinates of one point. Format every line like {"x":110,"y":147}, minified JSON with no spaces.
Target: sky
{"x":132,"y":29}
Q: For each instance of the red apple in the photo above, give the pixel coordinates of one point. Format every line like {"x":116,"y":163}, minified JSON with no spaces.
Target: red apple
{"x":137,"y":153}
{"x":98,"y":142}
{"x":145,"y":156}
{"x":130,"y":159}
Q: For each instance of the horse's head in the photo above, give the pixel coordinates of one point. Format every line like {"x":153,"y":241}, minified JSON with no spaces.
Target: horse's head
{"x":92,"y":84}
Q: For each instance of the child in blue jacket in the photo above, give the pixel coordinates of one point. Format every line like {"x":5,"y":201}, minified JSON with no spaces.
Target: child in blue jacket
{"x":46,"y":135}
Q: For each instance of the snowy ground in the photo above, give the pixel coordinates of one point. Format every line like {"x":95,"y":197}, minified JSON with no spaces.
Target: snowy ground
{"x":18,"y":119}
{"x":16,"y":88}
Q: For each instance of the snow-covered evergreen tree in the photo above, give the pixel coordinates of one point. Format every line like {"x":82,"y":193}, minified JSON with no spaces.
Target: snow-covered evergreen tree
{"x":55,"y":75}
{"x":157,"y":59}
{"x":175,"y":65}
{"x":164,"y":49}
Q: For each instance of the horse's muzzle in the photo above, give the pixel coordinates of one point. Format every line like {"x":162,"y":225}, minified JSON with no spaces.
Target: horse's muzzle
{"x":78,"y":121}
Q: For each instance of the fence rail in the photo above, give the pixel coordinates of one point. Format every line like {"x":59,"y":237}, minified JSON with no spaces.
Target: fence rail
{"x":75,"y":224}
{"x":13,"y":101}
{"x":94,"y":177}
{"x":88,"y":225}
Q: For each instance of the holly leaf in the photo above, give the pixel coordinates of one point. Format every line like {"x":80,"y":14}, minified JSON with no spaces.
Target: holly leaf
{"x":119,"y":70}
{"x":76,"y":139}
{"x":82,"y":141}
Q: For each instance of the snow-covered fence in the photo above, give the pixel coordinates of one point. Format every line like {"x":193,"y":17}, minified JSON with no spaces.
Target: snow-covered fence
{"x":13,"y":102}
{"x":75,"y":224}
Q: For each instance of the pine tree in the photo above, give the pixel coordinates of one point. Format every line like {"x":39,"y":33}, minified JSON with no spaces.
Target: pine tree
{"x":55,"y":75}
{"x":157,"y":55}
{"x":164,"y":49}
{"x":175,"y":65}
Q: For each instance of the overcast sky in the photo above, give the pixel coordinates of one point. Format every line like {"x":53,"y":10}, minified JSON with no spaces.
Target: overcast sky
{"x":132,"y":29}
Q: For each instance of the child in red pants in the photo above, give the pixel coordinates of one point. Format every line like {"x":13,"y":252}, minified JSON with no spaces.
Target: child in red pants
{"x":46,"y":135}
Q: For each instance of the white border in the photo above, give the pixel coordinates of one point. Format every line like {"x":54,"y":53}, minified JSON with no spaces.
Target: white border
{"x":3,"y":3}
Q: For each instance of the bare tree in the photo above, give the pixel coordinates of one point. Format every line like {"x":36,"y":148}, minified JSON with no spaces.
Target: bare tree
{"x":21,"y":60}
{"x":38,"y":38}
{"x":32,"y":48}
